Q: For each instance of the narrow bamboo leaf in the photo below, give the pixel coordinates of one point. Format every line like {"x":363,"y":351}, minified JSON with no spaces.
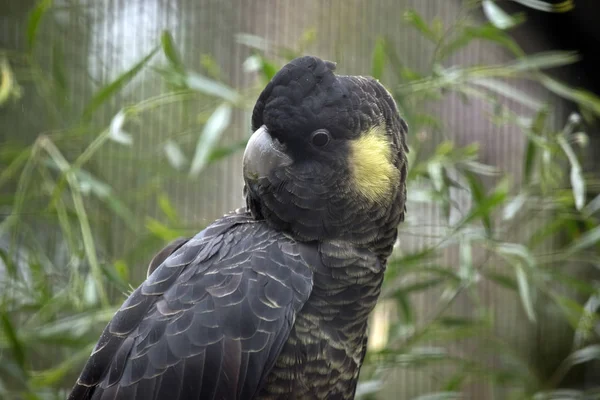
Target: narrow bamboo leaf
{"x":585,"y":98}
{"x":452,"y":77}
{"x":517,"y":250}
{"x":497,"y":16}
{"x":122,"y":270}
{"x":440,"y":396}
{"x":485,"y":207}
{"x":588,"y":239}
{"x":436,"y":175}
{"x":576,"y":174}
{"x":420,"y":286}
{"x":405,"y":307}
{"x":253,"y":41}
{"x":116,"y":132}
{"x":90,"y":294}
{"x":530,"y":153}
{"x":170,"y":50}
{"x":9,"y":87}
{"x":214,"y":127}
{"x":514,"y":206}
{"x":486,"y":32}
{"x":88,"y":183}
{"x":251,"y":64}
{"x":161,"y":230}
{"x":58,"y":70}
{"x":466,"y":271}
{"x":174,"y":155}
{"x":7,"y":262}
{"x":413,"y":18}
{"x":508,"y":91}
{"x":211,"y":87}
{"x":84,"y":223}
{"x":35,"y":18}
{"x":560,"y":394}
{"x":524,"y":291}
{"x":540,"y":5}
{"x":108,"y":91}
{"x":478,"y":195}
{"x":571,"y":309}
{"x":590,"y":209}
{"x":167,"y":208}
{"x":16,"y":346}
{"x":578,"y":357}
{"x":378,"y":61}
{"x":368,"y":388}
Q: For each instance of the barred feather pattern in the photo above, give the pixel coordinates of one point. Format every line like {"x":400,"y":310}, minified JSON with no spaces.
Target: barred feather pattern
{"x":240,"y":311}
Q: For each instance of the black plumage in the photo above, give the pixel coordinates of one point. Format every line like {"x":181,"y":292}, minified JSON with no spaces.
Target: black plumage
{"x":272,"y":301}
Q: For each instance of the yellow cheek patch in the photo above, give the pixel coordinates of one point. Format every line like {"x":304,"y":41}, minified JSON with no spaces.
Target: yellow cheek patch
{"x":373,"y":172}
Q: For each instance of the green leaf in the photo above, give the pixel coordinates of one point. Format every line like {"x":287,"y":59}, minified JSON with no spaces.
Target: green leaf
{"x":367,"y":388}
{"x":210,"y":66}
{"x":167,"y":208}
{"x":88,"y":183}
{"x":540,"y":5}
{"x":516,"y":250}
{"x":486,"y":206}
{"x":116,"y":132}
{"x":578,"y":357}
{"x":502,"y":280}
{"x":214,"y":127}
{"x":497,"y":16}
{"x":162,"y":231}
{"x":466,"y":270}
{"x":508,"y":91}
{"x":446,"y":78}
{"x":524,"y":291}
{"x":435,"y":170}
{"x":537,"y":127}
{"x":590,"y":209}
{"x":211,"y":87}
{"x":588,"y":239}
{"x":122,"y":270}
{"x":576,"y":175}
{"x":267,"y":68}
{"x":514,"y":206}
{"x":560,"y":394}
{"x":405,"y":306}
{"x":478,"y":195}
{"x":108,"y":91}
{"x":440,"y":396}
{"x":58,"y":71}
{"x":170,"y":50}
{"x":378,"y":62}
{"x":35,"y":17}
{"x":422,"y":285}
{"x":486,"y":32}
{"x":413,"y":18}
{"x":8,"y":263}
{"x":174,"y":155}
{"x":252,"y":41}
{"x":17,"y":348}
{"x":583,"y":97}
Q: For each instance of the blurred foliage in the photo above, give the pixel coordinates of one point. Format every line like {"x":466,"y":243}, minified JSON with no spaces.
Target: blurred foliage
{"x":54,"y":300}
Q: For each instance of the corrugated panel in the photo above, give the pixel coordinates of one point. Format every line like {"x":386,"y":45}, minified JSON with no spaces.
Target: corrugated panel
{"x":117,"y":33}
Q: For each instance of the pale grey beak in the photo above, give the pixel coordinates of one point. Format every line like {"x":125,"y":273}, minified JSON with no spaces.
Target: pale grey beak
{"x":262,"y":155}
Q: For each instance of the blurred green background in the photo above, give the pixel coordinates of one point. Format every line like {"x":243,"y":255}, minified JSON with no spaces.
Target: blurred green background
{"x":122,"y":125}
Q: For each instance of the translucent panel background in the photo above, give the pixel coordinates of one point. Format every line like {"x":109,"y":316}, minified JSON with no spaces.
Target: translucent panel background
{"x":101,"y":39}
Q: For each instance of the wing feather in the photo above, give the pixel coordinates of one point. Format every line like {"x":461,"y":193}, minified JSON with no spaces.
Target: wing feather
{"x":209,"y":321}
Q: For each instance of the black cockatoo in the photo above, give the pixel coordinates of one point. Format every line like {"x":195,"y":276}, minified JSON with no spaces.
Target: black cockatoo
{"x":272,"y":300}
